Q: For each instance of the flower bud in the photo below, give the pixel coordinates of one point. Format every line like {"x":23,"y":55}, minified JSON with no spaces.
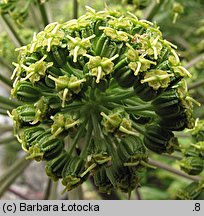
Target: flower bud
{"x":192,"y":165}
{"x":159,"y":139}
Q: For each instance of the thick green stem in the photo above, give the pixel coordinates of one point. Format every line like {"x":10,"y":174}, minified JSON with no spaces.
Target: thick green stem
{"x":145,"y":113}
{"x":5,"y":128}
{"x":118,"y":97}
{"x":173,"y":170}
{"x":134,"y":101}
{"x":14,"y":171}
{"x":196,"y":84}
{"x":75,"y":9}
{"x":97,"y":132}
{"x":72,"y":106}
{"x":7,"y":140}
{"x":5,"y":107}
{"x":53,"y":191}
{"x":6,"y":65}
{"x":77,"y":137}
{"x":138,"y":194}
{"x":194,"y":61}
{"x":3,"y":112}
{"x":76,"y":194}
{"x":48,"y":188}
{"x":43,"y":13}
{"x":5,"y":80}
{"x":4,"y":100}
{"x":12,"y":31}
{"x":138,"y":128}
{"x":87,"y":139}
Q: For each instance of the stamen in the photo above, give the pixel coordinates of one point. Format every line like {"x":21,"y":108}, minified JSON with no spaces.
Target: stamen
{"x":72,"y":124}
{"x":156,"y":77}
{"x":54,"y":31}
{"x":109,"y":119}
{"x":18,"y":138}
{"x":49,"y":44}
{"x":88,"y":170}
{"x":65,"y":92}
{"x":15,"y":70}
{"x":99,"y":74}
{"x":133,"y":15}
{"x":88,"y":38}
{"x":15,"y":81}
{"x":139,"y":64}
{"x":28,"y":76}
{"x":73,"y":40}
{"x":193,"y":100}
{"x":155,"y":52}
{"x":111,"y":59}
{"x":58,"y":131}
{"x":124,"y":130}
{"x":90,"y":9}
{"x":76,"y":49}
{"x":185,"y":71}
{"x":76,"y":83}
{"x":175,"y":55}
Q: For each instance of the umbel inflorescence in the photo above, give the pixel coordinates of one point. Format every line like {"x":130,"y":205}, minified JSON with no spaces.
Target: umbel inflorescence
{"x":97,"y":93}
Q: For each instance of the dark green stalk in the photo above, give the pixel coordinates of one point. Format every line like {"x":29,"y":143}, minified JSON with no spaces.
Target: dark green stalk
{"x":153,"y":10}
{"x":145,"y":113}
{"x":77,"y":137}
{"x":5,"y":80}
{"x":14,"y":171}
{"x":138,"y":194}
{"x":104,"y":109}
{"x":7,"y":140}
{"x":9,"y":102}
{"x":43,"y":13}
{"x":139,"y":108}
{"x":12,"y":30}
{"x":173,"y":157}
{"x":3,"y":112}
{"x":194,"y":61}
{"x":138,"y":128}
{"x":134,"y":101}
{"x":6,"y":107}
{"x":196,"y":84}
{"x":72,"y":106}
{"x":6,"y":65}
{"x":47,"y":190}
{"x":75,"y":9}
{"x":5,"y":128}
{"x":97,"y":132}
{"x":87,"y":138}
{"x":53,"y":191}
{"x":173,"y":170}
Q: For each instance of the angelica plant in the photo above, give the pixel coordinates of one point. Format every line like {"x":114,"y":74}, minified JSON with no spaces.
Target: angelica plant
{"x":110,"y":83}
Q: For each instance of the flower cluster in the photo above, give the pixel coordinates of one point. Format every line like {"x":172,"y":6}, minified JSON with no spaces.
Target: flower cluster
{"x":108,"y":83}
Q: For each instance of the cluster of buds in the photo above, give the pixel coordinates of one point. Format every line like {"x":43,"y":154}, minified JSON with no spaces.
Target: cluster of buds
{"x":192,"y":163}
{"x":108,"y":83}
{"x":191,"y":191}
